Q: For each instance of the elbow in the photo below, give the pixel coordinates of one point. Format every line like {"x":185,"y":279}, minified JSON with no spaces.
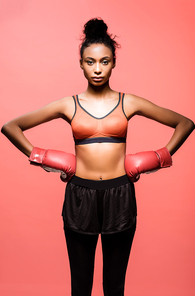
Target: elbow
{"x":4,"y":128}
{"x":187,"y":126}
{"x":193,"y":125}
{"x":190,"y":125}
{"x":7,"y":129}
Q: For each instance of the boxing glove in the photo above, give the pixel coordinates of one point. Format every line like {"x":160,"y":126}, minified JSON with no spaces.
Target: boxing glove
{"x":54,"y":161}
{"x":145,"y":162}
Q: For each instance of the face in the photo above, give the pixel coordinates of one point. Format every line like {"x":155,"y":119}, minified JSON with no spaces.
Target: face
{"x":97,"y":63}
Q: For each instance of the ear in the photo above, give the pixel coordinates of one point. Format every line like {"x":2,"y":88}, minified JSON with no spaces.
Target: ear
{"x":114,"y":63}
{"x":81,"y":63}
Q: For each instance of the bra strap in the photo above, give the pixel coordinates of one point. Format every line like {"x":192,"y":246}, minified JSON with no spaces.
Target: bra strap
{"x":122,"y":103}
{"x":75,"y":103}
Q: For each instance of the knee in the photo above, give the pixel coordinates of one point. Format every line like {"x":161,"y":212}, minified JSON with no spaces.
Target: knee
{"x":112,"y":287}
{"x":81,"y":286}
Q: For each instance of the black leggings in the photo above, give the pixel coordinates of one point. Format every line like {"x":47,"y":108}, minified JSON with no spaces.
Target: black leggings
{"x":116,"y":250}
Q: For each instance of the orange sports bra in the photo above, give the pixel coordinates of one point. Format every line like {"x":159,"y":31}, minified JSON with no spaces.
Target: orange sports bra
{"x":88,"y":129}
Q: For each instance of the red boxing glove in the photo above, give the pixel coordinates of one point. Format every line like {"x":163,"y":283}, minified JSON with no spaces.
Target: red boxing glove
{"x":146,"y":161}
{"x":54,"y":161}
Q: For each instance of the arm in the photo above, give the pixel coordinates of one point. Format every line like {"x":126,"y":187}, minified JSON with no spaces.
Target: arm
{"x":183,"y":126}
{"x":50,"y":160}
{"x":14,"y":129}
{"x":153,"y":160}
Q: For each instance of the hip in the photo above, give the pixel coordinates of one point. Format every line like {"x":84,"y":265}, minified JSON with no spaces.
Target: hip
{"x":99,"y":206}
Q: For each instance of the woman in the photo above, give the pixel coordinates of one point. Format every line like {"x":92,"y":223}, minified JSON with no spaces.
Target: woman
{"x":100,"y":195}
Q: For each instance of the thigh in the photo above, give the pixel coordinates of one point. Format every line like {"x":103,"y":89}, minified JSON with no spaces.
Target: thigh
{"x":116,"y":250}
{"x":81,"y":251}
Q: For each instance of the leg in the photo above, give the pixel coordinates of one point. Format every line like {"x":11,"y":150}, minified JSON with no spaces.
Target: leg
{"x":116,"y":250}
{"x":81,"y":251}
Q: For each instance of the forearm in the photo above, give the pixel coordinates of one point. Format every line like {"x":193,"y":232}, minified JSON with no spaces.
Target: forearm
{"x":16,"y":136}
{"x":181,"y":133}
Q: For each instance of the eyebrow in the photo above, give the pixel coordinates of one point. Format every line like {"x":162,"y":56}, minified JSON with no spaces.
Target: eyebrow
{"x":106,"y":57}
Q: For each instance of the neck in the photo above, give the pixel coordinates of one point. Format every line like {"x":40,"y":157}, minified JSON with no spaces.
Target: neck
{"x":101,"y":90}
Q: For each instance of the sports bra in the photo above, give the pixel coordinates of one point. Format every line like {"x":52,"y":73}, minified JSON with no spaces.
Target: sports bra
{"x":87,"y":128}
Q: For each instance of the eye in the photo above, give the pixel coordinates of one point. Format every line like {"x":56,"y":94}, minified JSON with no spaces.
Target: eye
{"x":105,"y":62}
{"x":89,"y":63}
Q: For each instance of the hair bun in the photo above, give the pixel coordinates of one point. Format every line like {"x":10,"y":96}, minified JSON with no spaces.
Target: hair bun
{"x":95,"y":28}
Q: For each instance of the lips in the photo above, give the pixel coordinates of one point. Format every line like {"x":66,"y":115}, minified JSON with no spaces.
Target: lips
{"x":97,"y":79}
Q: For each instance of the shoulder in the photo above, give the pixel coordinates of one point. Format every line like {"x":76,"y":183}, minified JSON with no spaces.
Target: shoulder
{"x":66,"y":101}
{"x":135,"y":100}
{"x":66,"y":107}
{"x":135,"y":105}
{"x":132,"y":104}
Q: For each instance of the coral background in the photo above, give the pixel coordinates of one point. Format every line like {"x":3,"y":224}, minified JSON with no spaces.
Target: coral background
{"x":39,"y":64}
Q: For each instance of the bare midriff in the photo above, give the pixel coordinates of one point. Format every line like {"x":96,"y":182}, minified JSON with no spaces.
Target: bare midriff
{"x":100,"y":161}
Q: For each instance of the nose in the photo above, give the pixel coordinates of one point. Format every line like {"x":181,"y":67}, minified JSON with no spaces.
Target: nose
{"x":97,"y":69}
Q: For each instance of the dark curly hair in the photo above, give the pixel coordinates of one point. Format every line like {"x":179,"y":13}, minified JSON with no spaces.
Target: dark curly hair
{"x":95,"y":31}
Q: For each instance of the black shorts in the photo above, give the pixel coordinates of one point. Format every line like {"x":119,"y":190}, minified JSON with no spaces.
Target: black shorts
{"x":103,"y":206}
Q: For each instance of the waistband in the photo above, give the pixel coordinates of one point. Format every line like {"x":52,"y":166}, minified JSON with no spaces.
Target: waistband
{"x":100,"y":184}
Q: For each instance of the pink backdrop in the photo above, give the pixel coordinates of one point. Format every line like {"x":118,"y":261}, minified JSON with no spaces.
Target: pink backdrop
{"x":39,"y":64}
